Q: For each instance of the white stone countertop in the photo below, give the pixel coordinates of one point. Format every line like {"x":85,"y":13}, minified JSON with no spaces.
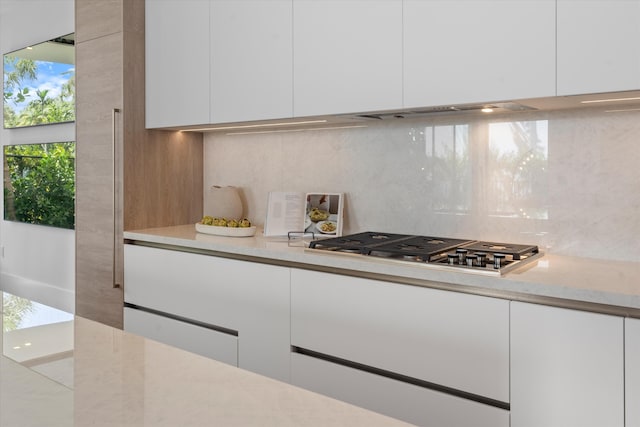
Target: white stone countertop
{"x":109,"y":377}
{"x":600,"y":285}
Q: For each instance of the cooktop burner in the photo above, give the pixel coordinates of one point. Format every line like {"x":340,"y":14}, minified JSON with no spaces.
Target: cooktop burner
{"x":469,"y":255}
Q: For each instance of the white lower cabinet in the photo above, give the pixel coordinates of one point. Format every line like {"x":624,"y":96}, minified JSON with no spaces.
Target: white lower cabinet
{"x":196,"y":339}
{"x":411,"y":403}
{"x":632,"y":372}
{"x":225,"y":294}
{"x":566,"y":368}
{"x":423,"y":339}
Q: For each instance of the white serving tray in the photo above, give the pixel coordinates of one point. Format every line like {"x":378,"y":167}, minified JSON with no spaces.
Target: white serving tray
{"x":226,"y":231}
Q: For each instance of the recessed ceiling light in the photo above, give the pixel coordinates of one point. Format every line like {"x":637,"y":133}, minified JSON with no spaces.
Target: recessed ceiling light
{"x":487,"y":110}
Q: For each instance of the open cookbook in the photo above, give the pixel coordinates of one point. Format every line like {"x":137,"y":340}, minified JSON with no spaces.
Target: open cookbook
{"x":318,"y":213}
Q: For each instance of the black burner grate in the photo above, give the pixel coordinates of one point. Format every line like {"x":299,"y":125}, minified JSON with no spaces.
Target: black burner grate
{"x":421,"y":247}
{"x":468,"y":254}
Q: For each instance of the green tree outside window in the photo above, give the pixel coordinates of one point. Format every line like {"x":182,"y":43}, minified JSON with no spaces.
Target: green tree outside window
{"x":39,"y":184}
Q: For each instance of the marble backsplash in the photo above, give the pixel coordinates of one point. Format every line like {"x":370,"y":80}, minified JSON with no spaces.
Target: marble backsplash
{"x":568,"y":181}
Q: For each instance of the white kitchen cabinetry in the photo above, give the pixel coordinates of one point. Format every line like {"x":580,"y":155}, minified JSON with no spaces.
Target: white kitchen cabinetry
{"x":218,"y":61}
{"x":632,"y":372}
{"x":251,"y":60}
{"x":452,"y":340}
{"x":194,"y":338}
{"x":177,"y":57}
{"x":468,"y":51}
{"x":598,"y":49}
{"x":566,"y":367}
{"x":347,"y":56}
{"x":408,"y":402}
{"x":249,"y":298}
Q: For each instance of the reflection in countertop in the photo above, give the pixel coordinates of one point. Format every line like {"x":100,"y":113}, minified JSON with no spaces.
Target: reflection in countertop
{"x":73,"y":371}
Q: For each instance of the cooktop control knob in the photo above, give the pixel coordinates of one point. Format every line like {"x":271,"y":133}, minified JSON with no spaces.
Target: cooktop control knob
{"x":452,"y":259}
{"x":482,"y":258}
{"x":462,"y":255}
{"x":472,"y":260}
{"x":498,"y":260}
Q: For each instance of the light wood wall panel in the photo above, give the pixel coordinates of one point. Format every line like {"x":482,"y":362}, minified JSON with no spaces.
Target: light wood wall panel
{"x":158,"y":175}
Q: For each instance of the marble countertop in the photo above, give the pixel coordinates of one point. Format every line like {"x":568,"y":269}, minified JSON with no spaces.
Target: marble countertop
{"x":65,"y":371}
{"x":600,"y":285}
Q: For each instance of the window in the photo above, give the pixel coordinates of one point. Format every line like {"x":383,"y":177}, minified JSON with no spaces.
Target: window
{"x":39,"y":184}
{"x":39,"y":84}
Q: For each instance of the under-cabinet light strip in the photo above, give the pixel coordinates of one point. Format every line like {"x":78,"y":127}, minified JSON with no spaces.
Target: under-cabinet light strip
{"x":264,"y":125}
{"x":293,"y":130}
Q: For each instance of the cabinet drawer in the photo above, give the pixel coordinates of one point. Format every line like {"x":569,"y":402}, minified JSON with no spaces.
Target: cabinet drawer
{"x":212,"y":290}
{"x":397,"y":399}
{"x":243,"y":296}
{"x":193,"y":338}
{"x":451,"y":339}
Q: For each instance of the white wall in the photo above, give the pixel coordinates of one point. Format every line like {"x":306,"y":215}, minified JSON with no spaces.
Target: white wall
{"x":583,"y":199}
{"x":38,"y":261}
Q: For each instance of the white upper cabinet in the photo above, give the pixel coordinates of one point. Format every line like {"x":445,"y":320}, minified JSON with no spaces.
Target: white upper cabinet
{"x":217,"y":61}
{"x":598,"y":46}
{"x":632,"y":372}
{"x":177,"y":62}
{"x":251,"y":60}
{"x":566,"y":368}
{"x":468,"y":51}
{"x":347,"y":56}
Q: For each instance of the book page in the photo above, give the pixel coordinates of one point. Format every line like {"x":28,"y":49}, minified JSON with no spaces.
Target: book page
{"x":285,"y":212}
{"x":323,"y":214}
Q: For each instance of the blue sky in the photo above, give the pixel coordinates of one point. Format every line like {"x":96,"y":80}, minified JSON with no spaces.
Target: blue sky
{"x":51,"y":76}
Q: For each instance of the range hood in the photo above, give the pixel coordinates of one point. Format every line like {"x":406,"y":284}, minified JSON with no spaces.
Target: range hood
{"x":500,"y":107}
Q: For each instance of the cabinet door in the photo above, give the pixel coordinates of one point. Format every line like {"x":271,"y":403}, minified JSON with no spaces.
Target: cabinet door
{"x":451,"y":339}
{"x":247,"y":297}
{"x":251,"y":60}
{"x":98,"y":92}
{"x":467,"y":51}
{"x":632,"y":372}
{"x":177,"y":62}
{"x":397,"y":399}
{"x":193,"y":338}
{"x":566,"y":368}
{"x":347,"y":56}
{"x":99,"y":18}
{"x":598,"y":49}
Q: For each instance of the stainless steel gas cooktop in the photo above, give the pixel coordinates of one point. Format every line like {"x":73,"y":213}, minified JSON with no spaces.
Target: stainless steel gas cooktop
{"x":471,"y":256}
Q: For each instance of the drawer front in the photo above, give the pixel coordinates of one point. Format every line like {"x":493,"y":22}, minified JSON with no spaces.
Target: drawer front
{"x":196,"y":339}
{"x":247,"y":297}
{"x":200,"y":287}
{"x":451,"y":339}
{"x":400,"y":400}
